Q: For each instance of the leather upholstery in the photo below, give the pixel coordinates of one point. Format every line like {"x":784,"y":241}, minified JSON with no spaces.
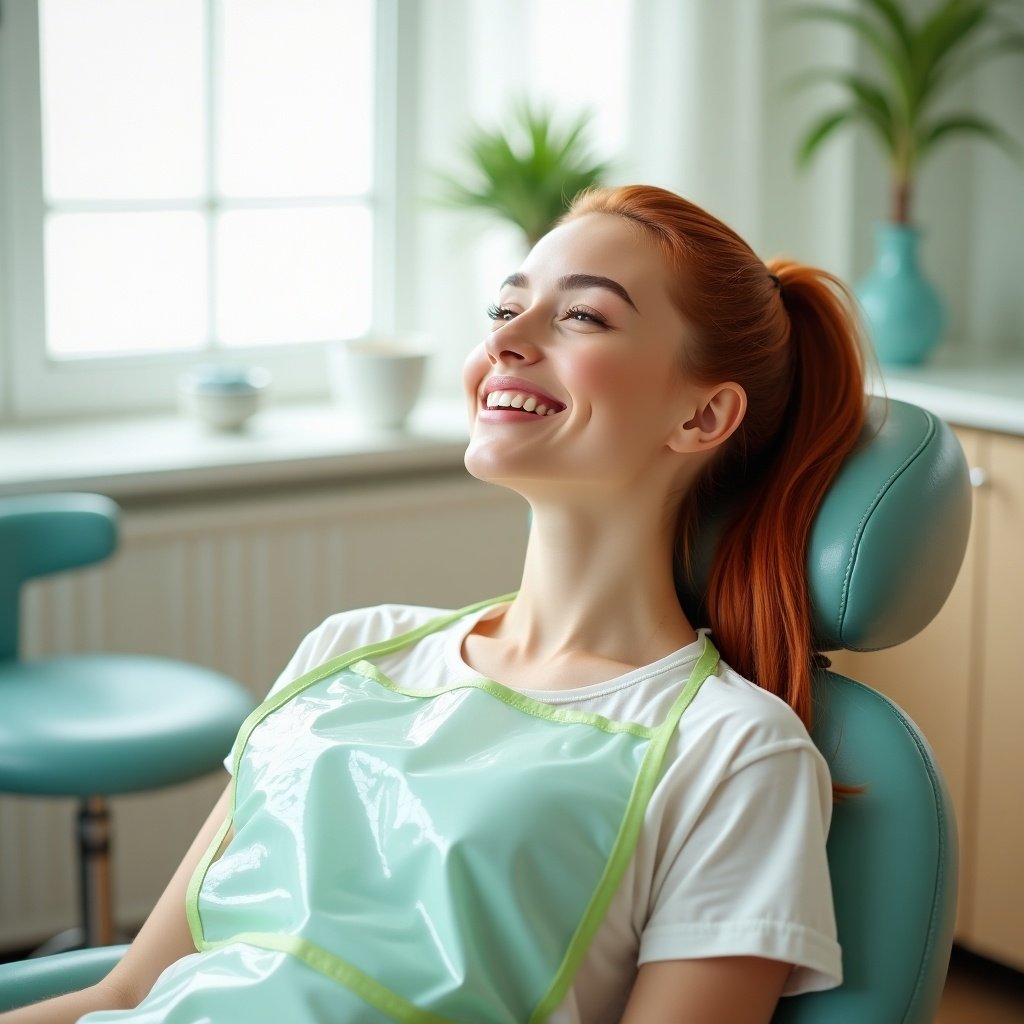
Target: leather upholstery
{"x":890,"y":536}
{"x":888,"y":540}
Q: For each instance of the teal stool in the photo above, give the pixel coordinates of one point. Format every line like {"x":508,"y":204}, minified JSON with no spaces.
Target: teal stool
{"x":90,"y":726}
{"x":885,"y":549}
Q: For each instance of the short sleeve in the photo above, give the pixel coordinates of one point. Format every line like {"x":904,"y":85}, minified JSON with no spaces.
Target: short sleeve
{"x":307,"y":655}
{"x":751,"y":876}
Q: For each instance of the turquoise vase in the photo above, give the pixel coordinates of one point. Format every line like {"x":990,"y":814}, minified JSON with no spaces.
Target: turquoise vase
{"x":905,"y":315}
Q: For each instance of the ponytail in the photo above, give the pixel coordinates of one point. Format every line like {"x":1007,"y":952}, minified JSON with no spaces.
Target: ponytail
{"x":757,"y":597}
{"x":788,"y":334}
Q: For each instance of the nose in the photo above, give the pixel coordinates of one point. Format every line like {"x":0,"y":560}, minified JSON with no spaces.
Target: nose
{"x":511,"y":345}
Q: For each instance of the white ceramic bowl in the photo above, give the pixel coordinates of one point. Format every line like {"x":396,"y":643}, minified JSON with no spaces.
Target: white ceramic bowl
{"x":377,"y":381}
{"x":223,"y":398}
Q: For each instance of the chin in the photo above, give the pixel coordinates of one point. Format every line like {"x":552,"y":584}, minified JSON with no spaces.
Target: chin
{"x":493,"y":465}
{"x":482,"y":464}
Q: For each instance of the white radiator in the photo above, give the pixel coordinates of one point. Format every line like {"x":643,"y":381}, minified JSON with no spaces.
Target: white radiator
{"x":233,"y":584}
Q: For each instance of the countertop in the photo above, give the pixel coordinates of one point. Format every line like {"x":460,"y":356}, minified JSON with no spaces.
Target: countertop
{"x":988,"y":395}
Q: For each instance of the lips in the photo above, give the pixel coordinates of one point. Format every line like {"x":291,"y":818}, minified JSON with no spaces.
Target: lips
{"x":514,"y":393}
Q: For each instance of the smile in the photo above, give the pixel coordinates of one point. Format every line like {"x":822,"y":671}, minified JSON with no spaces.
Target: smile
{"x":520,"y":400}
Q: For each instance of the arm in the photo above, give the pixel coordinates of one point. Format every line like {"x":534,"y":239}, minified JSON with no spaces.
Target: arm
{"x":162,"y":940}
{"x":738,"y":989}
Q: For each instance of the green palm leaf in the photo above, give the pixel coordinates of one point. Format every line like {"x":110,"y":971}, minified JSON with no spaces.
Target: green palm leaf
{"x":959,"y":66}
{"x":527,"y":175}
{"x":891,"y":53}
{"x":918,"y":61}
{"x":821,"y":130}
{"x":869,"y":103}
{"x":952,"y":124}
{"x":892,"y":13}
{"x":948,"y":29}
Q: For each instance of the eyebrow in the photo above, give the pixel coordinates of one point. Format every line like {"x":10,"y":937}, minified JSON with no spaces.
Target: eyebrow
{"x":571,"y":282}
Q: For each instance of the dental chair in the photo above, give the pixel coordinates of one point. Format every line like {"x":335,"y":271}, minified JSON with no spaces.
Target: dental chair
{"x":885,"y":550}
{"x":93,"y":725}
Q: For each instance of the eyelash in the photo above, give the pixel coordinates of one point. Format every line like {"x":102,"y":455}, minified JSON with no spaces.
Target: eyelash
{"x":496,"y":312}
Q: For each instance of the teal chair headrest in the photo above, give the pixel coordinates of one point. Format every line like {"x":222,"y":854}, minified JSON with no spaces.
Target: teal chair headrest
{"x":889,"y":538}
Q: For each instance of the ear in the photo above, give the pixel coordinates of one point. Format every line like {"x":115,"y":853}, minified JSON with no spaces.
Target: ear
{"x":716,"y":415}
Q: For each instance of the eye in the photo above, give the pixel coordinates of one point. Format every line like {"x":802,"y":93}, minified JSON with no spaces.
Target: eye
{"x":496,"y":312}
{"x":585,"y":315}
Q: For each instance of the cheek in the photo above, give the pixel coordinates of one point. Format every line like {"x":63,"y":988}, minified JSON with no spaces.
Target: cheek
{"x":605,"y":375}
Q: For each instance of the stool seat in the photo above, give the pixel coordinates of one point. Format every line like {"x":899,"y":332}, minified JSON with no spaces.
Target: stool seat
{"x":92,"y":724}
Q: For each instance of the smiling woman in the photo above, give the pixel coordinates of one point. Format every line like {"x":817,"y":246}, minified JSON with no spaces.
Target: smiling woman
{"x":565,"y":804}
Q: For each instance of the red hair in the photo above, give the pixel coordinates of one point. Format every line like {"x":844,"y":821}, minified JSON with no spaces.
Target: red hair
{"x":789,"y":335}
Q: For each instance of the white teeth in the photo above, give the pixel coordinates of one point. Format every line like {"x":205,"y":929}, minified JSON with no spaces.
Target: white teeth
{"x":518,"y":400}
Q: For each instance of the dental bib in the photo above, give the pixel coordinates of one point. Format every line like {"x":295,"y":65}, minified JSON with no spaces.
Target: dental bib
{"x":424,"y":856}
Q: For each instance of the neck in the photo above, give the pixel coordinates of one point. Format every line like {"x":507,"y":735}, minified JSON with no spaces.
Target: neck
{"x":597,"y":582}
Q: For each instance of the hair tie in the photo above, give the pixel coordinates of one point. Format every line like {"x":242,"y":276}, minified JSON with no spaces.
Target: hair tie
{"x":774,"y":278}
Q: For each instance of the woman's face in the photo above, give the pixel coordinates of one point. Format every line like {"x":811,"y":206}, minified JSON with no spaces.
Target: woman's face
{"x":579,"y":379}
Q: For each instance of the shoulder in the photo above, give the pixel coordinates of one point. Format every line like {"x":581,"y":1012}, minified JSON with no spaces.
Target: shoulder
{"x":746,"y":722}
{"x":357,"y":627}
{"x":737,"y":739}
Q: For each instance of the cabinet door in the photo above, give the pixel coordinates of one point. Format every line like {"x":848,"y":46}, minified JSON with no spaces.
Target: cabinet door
{"x":929,"y":676}
{"x":997,"y":922}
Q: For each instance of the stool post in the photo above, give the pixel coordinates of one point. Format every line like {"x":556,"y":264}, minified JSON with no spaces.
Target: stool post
{"x":96,"y":892}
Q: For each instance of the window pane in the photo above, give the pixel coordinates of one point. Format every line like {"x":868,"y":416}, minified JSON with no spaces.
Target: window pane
{"x":296,"y":104}
{"x":125,"y":282}
{"x":591,"y":74}
{"x":293,"y":275}
{"x":123,"y":107}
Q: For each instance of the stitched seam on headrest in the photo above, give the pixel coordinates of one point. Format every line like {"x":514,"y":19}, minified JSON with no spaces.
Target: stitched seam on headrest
{"x":931,"y":421}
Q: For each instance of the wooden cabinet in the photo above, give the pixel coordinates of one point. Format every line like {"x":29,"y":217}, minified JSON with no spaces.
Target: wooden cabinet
{"x":996,"y":922}
{"x":960,"y":680}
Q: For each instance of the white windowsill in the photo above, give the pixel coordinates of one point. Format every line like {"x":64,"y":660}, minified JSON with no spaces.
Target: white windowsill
{"x":147,"y":456}
{"x":163,"y":455}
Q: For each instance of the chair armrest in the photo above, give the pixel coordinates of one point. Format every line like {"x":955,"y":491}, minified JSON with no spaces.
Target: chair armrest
{"x":28,"y":981}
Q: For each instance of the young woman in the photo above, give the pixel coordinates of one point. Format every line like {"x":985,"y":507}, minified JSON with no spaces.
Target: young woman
{"x":564,"y":805}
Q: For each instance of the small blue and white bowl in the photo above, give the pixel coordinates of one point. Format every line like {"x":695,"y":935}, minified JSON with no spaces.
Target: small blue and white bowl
{"x":224,"y":397}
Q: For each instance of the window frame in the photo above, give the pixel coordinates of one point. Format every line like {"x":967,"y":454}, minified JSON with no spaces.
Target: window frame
{"x":32,"y":385}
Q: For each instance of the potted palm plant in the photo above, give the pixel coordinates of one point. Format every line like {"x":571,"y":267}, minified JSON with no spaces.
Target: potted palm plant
{"x":526,"y":175}
{"x":916,"y":62}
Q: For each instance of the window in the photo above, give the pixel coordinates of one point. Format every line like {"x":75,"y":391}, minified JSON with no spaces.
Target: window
{"x":246,"y":180}
{"x":192,"y":180}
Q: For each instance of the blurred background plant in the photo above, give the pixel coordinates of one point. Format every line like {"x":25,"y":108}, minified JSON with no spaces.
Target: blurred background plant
{"x":526,"y":174}
{"x":916,"y":64}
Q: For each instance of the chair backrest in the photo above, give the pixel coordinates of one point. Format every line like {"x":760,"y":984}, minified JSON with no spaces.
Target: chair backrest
{"x":43,"y":534}
{"x":884,"y":552}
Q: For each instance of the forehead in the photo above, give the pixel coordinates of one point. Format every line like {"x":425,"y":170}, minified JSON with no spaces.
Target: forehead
{"x":603,"y":244}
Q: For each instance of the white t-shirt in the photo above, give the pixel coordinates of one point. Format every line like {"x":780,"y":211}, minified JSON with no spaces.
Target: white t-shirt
{"x":731,"y":859}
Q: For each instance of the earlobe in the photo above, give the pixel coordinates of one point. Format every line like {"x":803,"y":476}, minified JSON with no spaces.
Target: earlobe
{"x":715,"y":418}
